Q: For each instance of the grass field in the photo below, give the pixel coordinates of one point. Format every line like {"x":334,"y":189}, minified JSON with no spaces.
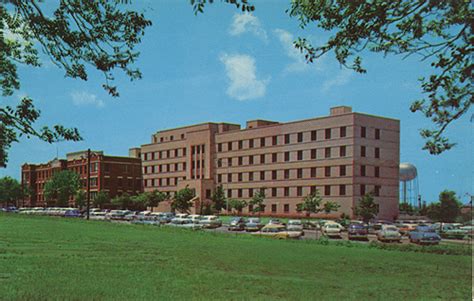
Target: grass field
{"x":60,"y":259}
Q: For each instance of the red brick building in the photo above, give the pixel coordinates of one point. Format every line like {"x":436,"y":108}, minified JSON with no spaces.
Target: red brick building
{"x":343,"y":156}
{"x":115,"y":175}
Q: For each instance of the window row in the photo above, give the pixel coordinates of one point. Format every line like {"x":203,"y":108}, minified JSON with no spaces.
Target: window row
{"x":298,"y":191}
{"x":163,"y":182}
{"x":164,"y":154}
{"x":170,"y":167}
{"x":169,"y":138}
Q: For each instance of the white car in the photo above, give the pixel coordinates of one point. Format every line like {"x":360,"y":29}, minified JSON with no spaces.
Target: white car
{"x":294,"y":225}
{"x":97,"y":215}
{"x":389,"y":233}
{"x":332,"y":229}
{"x":210,"y":221}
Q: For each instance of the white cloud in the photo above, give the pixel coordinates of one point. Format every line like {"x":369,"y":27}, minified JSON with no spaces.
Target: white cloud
{"x":82,"y":98}
{"x":243,"y":23}
{"x":241,"y":71}
{"x":298,"y":63}
{"x":339,"y":80}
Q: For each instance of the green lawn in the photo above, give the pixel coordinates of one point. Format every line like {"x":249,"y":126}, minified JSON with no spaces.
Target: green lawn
{"x":55,"y":258}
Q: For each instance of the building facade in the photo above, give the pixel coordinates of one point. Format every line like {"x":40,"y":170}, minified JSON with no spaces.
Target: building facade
{"x":344,"y":156}
{"x":115,"y":175}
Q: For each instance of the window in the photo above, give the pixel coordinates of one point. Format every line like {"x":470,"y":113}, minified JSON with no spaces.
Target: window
{"x":176,"y":152}
{"x":313,"y":172}
{"x":171,"y":138}
{"x":327,"y":133}
{"x":184,"y":166}
{"x":327,"y":152}
{"x":262,"y":142}
{"x":229,"y":161}
{"x":300,"y":137}
{"x":300,"y":155}
{"x":250,"y":195}
{"x":377,"y":172}
{"x":176,"y":167}
{"x":208,"y":193}
{"x":342,"y":151}
{"x":327,"y":190}
{"x":251,"y":176}
{"x":299,"y":173}
{"x":363,"y":131}
{"x":377,"y":190}
{"x":184,"y":151}
{"x":287,"y":138}
{"x":377,"y":134}
{"x":286,"y":208}
{"x":362,"y":170}
{"x":219,"y":147}
{"x":251,"y":160}
{"x":229,"y":194}
{"x":274,"y":157}
{"x":313,"y":189}
{"x":219,"y":162}
{"x":274,"y":208}
{"x":219,"y":178}
{"x":377,"y":152}
{"x":262,"y":175}
{"x":327,"y":171}
{"x":287,"y":156}
{"x":229,"y":177}
{"x":342,"y":170}
{"x":287,"y":174}
{"x":314,"y":135}
{"x":250,"y":143}
{"x":239,"y":193}
{"x":299,"y":191}
{"x":182,"y":136}
{"x":229,"y":146}
{"x":342,"y":132}
{"x":287,"y":191}
{"x":362,"y":189}
{"x":241,"y":160}
{"x":240,"y":177}
{"x":274,"y":192}
{"x":250,"y":208}
{"x":241,"y":144}
{"x":274,"y":174}
{"x":168,"y":153}
{"x":274,"y":140}
{"x":362,"y":151}
{"x":342,"y":189}
{"x":313,"y":153}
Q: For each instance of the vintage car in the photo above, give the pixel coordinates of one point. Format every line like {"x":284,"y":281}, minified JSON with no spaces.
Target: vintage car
{"x":332,"y":229}
{"x":294,"y":225}
{"x":253,"y":224}
{"x":210,"y":222}
{"x":358,"y":231}
{"x":389,"y":233}
{"x":237,"y":224}
{"x":278,"y":231}
{"x":72,"y":213}
{"x":100,"y":215}
{"x":185,"y":223}
{"x":116,"y":215}
{"x":424,"y":235}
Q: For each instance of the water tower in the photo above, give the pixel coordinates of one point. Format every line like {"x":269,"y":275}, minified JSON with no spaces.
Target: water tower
{"x":409,"y":184}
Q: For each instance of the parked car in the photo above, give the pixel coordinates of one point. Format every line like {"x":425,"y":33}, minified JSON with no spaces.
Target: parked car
{"x":274,"y":221}
{"x":389,"y":233}
{"x":253,"y":224}
{"x":294,"y":225}
{"x":130,"y":216}
{"x":237,"y":224}
{"x":166,"y":217}
{"x":405,"y":229}
{"x":278,"y":231}
{"x":179,"y":217}
{"x":117,"y":214}
{"x":185,"y":223}
{"x":146,"y":219}
{"x":98,"y":215}
{"x":210,"y":222}
{"x":310,"y":225}
{"x":72,"y":213}
{"x":358,"y":231}
{"x":11,"y":209}
{"x":424,"y":235}
{"x":332,"y":229}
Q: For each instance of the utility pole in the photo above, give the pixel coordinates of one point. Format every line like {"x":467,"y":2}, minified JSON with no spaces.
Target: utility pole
{"x":88,"y":181}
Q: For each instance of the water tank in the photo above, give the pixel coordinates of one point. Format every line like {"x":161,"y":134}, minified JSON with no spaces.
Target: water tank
{"x":407,"y":172}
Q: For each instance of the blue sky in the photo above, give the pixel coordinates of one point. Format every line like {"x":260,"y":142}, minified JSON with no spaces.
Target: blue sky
{"x":227,"y":66}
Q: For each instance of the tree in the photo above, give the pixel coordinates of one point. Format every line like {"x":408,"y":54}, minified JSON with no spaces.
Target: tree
{"x":182,"y":200}
{"x":407,"y":208}
{"x":366,"y":209}
{"x":258,"y":201}
{"x":11,"y":191}
{"x":80,"y":199}
{"x":329,"y":206}
{"x":449,"y":206}
{"x":218,"y":198}
{"x":149,"y":199}
{"x":99,"y":34}
{"x":238,"y":205}
{"x":312,"y":203}
{"x":100,"y":199}
{"x":123,"y":201}
{"x":62,"y":186}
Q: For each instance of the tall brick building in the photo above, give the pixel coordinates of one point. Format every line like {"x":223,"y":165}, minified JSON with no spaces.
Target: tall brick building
{"x":112,"y":174}
{"x":343,"y":155}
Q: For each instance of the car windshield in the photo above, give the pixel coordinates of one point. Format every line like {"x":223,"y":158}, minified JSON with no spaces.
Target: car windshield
{"x":254,"y":221}
{"x":294,"y":222}
{"x":391,"y":229}
{"x":332,"y":226}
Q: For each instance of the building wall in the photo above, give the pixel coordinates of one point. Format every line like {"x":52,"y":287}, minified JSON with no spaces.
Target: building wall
{"x":330,"y":154}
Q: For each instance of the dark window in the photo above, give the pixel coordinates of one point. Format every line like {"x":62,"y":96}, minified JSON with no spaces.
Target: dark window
{"x":313,"y":153}
{"x":219,"y":162}
{"x":229,"y":177}
{"x":219,"y":178}
{"x":286,"y":208}
{"x":313,"y":172}
{"x":274,"y":157}
{"x":287,"y":191}
{"x":362,"y":170}
{"x":362,"y":151}
{"x":377,"y":172}
{"x":362,"y":189}
{"x":262,"y":159}
{"x":287,"y":173}
{"x":327,"y":171}
{"x":300,"y":155}
{"x":182,"y":136}
{"x":229,"y":161}
{"x":377,"y":152}
{"x":275,"y":140}
{"x":176,"y":152}
{"x":250,"y":160}
{"x":184,"y":166}
{"x":327,"y":133}
{"x":208,"y":193}
{"x":342,"y":131}
{"x":251,"y":176}
{"x":377,"y":190}
{"x":377,"y":134}
{"x":342,"y":170}
{"x":229,"y":146}
{"x":327,"y":190}
{"x":184,"y":150}
{"x":229,"y":193}
{"x":250,"y":207}
{"x":299,"y":173}
{"x":274,"y":192}
{"x":241,"y":144}
{"x":327,"y":152}
{"x":342,"y":151}
{"x":250,"y":195}
{"x":363,"y":131}
{"x":171,"y":138}
{"x":274,"y":174}
{"x":240,"y":177}
{"x":299,"y":191}
{"x":300,"y":137}
{"x":168,"y":154}
{"x":262,"y":142}
{"x":287,"y":156}
{"x":241,"y":160}
{"x":287,"y":139}
{"x":250,"y":143}
{"x":342,"y":189}
{"x":274,"y":208}
{"x":239,"y":193}
{"x":314,"y":135}
{"x":262,"y":175}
